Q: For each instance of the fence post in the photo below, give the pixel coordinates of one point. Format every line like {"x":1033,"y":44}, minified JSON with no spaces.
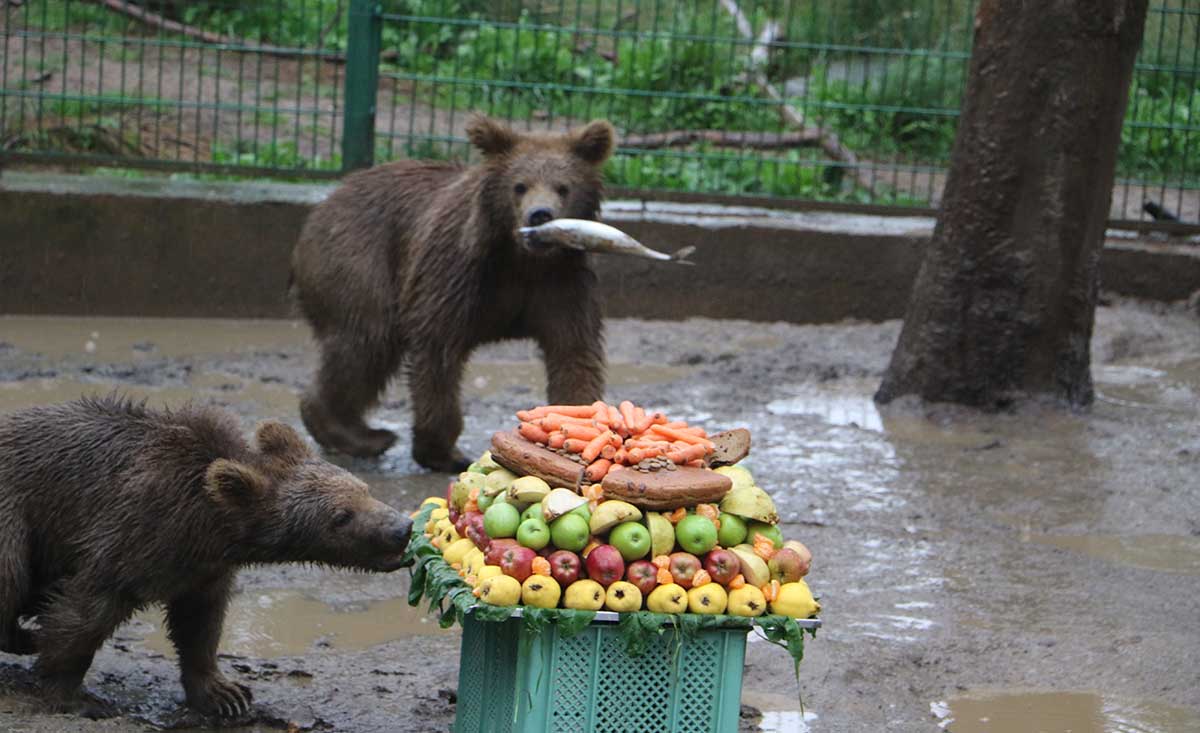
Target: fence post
{"x":363,"y":38}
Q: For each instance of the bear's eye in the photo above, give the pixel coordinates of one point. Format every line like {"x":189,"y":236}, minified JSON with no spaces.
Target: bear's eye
{"x":562,"y":191}
{"x":520,"y":188}
{"x":342,"y":518}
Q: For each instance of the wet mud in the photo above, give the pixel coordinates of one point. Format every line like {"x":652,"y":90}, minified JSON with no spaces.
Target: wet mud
{"x":971,"y":566}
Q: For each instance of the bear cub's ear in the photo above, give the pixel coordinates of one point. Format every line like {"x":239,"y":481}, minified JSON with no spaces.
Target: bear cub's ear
{"x":278,"y":440}
{"x":595,"y":142}
{"x":234,"y":483}
{"x":491,"y":137}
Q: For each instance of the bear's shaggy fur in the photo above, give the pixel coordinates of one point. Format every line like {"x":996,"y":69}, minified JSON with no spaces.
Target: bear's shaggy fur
{"x":107,"y":507}
{"x":420,"y":262}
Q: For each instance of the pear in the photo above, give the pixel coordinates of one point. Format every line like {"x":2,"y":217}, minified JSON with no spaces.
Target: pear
{"x":473,"y":561}
{"x":746,"y":601}
{"x":738,"y":475}
{"x":559,"y":502}
{"x":540,"y":591}
{"x":623,"y":597}
{"x":709,"y":598}
{"x":487,"y":463}
{"x":487,"y":571}
{"x":584,"y":595}
{"x":611,"y":513}
{"x":754,"y":568}
{"x":462,"y":488}
{"x":750,"y":502}
{"x":528,"y":490}
{"x":498,"y":481}
{"x":662,"y":534}
{"x":437,"y":501}
{"x":669,"y":598}
{"x":795,"y":600}
{"x":500,"y":590}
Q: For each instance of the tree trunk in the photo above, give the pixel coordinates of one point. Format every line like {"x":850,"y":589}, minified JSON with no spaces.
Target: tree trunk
{"x":1003,"y":305}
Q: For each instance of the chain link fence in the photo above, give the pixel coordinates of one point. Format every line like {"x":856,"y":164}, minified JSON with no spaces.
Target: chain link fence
{"x":852,"y":102}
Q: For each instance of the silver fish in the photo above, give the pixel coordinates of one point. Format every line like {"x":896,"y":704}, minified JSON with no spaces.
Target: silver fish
{"x":592,"y":236}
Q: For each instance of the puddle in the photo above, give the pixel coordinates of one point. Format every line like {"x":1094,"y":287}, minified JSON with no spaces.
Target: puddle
{"x":847,"y":402}
{"x":780,"y":713}
{"x":284,"y":623}
{"x":270,"y":400}
{"x":130,"y":339}
{"x":1165,"y":552}
{"x":1059,"y":712}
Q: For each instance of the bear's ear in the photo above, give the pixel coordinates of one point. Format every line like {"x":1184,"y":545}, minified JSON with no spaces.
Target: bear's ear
{"x":595,"y":142}
{"x":491,"y":137}
{"x":231,"y":482}
{"x":278,"y":440}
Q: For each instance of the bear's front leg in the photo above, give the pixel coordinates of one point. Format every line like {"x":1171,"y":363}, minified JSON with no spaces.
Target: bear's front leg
{"x":194,"y":622}
{"x":435,"y":382}
{"x":14,"y":587}
{"x":75,"y":623}
{"x":572,"y":344}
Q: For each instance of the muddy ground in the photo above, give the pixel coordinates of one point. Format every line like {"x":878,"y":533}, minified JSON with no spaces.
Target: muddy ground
{"x":975,"y":570}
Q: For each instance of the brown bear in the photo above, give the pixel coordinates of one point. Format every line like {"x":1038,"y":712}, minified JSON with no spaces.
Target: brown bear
{"x":107,"y":507}
{"x":419,"y":262}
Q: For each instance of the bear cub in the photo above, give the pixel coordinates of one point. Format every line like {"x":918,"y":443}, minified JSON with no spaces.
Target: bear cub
{"x":416,"y":263}
{"x":107,"y":507}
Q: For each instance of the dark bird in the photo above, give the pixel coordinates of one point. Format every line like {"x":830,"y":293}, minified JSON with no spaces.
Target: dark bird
{"x":1156,"y":212}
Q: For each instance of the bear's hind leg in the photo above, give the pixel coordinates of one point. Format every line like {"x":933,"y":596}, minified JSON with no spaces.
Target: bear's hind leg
{"x":74,"y":625}
{"x":194,"y":623}
{"x":14,"y":588}
{"x":348,"y":383}
{"x":435,"y":381}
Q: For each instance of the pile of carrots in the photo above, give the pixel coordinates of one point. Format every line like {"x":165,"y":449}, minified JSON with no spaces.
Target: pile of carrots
{"x":606,"y":436}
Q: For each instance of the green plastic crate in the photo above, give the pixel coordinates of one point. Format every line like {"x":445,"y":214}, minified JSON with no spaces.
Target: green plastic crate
{"x":514,"y":681}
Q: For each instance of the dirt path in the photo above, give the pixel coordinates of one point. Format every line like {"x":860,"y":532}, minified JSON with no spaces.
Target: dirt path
{"x":959,"y":557}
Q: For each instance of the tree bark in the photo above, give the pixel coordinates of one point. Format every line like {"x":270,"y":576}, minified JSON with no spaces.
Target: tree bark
{"x":1003,"y":305}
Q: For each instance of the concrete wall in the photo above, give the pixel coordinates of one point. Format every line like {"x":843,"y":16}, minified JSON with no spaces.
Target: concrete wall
{"x":77,"y":245}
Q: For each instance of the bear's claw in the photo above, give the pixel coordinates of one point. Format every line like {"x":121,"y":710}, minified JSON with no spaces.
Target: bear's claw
{"x":220,"y":697}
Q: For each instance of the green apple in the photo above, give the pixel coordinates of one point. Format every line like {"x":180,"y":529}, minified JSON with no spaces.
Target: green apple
{"x":533,"y":511}
{"x":770,"y":531}
{"x":533,"y":533}
{"x":631,"y":539}
{"x":484,"y":501}
{"x":732,"y":531}
{"x":501,"y":520}
{"x":476,"y":468}
{"x":584,"y":511}
{"x":696,"y":534}
{"x":569,"y":532}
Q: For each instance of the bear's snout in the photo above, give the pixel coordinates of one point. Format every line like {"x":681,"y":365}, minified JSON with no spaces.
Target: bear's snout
{"x":539,"y":216}
{"x":402,"y":532}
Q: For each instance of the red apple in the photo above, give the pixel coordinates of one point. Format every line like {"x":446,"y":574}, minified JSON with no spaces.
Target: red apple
{"x":517,"y":562}
{"x":453,"y":515}
{"x":564,"y":567}
{"x":476,"y":533}
{"x":496,"y":548}
{"x":722,"y":565}
{"x":643,"y":574}
{"x":683,"y":566}
{"x":464,"y":521}
{"x":605,"y":565}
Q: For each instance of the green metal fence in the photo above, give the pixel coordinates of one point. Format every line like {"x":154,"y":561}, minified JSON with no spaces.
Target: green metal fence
{"x":850,"y":101}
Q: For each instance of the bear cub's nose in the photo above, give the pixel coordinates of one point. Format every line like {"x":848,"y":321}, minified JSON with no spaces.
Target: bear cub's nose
{"x":539,"y":216}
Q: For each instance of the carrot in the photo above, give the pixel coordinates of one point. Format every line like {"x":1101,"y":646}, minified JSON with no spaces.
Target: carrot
{"x":627,"y":414}
{"x":556,"y":439}
{"x":701,"y":578}
{"x":555,"y":421}
{"x":641,"y":421}
{"x":568,"y":410}
{"x":621,"y":457}
{"x":574,"y":445}
{"x":616,"y":421}
{"x":540,"y":566}
{"x":637,"y":455}
{"x":676,"y":516}
{"x":597,"y":470}
{"x":686,"y":437}
{"x":764,"y":547}
{"x":737,"y":581}
{"x":529,"y":431}
{"x":608,"y":452}
{"x":696,"y":463}
{"x":677,"y":424}
{"x":658,"y":418}
{"x":685,"y":455}
{"x":664,"y":577}
{"x":770,"y":591}
{"x":580,"y":432}
{"x":711,"y":511}
{"x":594,"y":446}
{"x":527,"y":415}
{"x":661,"y":562}
{"x":647,"y":444}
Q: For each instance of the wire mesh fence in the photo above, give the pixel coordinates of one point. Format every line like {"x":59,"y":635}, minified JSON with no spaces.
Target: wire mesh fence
{"x":853,"y":101}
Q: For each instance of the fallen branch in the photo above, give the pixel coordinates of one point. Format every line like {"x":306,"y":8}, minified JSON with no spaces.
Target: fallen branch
{"x":724,"y":139}
{"x":792,"y":117}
